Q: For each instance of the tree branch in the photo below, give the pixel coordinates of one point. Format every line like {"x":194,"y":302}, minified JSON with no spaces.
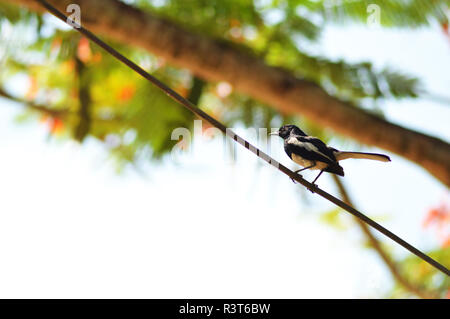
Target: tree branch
{"x":376,"y":245}
{"x":216,"y":61}
{"x":84,"y":112}
{"x":36,"y":107}
{"x":55,"y":113}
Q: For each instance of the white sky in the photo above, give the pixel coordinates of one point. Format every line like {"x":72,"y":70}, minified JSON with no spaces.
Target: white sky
{"x":70,"y":227}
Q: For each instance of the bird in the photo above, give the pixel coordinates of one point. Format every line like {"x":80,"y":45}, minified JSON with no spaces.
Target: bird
{"x":312,"y":153}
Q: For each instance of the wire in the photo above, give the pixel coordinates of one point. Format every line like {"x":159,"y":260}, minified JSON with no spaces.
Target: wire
{"x":203,"y":115}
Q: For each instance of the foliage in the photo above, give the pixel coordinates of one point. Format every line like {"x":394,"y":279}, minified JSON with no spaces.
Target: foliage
{"x":102,"y":99}
{"x":334,"y":218}
{"x":416,"y":270}
{"x":395,"y":13}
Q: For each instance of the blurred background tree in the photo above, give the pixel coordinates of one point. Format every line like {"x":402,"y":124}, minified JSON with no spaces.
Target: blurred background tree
{"x":251,"y":63}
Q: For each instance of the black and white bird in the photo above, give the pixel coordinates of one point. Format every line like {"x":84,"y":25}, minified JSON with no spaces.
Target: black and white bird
{"x":311,"y":153}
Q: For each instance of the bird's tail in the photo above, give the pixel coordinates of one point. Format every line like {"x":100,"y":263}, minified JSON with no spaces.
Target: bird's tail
{"x":372,"y":156}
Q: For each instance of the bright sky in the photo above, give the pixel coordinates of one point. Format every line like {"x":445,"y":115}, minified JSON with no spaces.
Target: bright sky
{"x":71,"y":227}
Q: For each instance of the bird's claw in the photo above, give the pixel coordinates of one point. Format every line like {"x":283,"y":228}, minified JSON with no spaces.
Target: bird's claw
{"x":293,"y":180}
{"x":313,"y":188}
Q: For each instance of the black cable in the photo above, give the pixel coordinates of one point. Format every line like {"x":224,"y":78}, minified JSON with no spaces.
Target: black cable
{"x":201,"y":114}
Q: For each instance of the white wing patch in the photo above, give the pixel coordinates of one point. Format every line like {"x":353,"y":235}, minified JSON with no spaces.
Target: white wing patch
{"x":307,"y":145}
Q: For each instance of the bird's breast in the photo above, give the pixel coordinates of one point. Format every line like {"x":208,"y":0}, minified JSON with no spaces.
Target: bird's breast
{"x":305,"y":163}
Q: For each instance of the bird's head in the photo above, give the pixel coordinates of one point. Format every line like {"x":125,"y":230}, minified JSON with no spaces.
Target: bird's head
{"x":286,"y":130}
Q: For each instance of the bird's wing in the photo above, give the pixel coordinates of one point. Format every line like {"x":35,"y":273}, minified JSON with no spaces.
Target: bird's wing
{"x":310,"y":148}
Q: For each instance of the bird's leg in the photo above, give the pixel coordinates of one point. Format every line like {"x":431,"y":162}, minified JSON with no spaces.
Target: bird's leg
{"x":299,"y":170}
{"x":314,"y":185}
{"x":317,"y":177}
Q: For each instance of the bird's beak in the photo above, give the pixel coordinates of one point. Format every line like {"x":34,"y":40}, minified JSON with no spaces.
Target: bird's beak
{"x":275,"y":133}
